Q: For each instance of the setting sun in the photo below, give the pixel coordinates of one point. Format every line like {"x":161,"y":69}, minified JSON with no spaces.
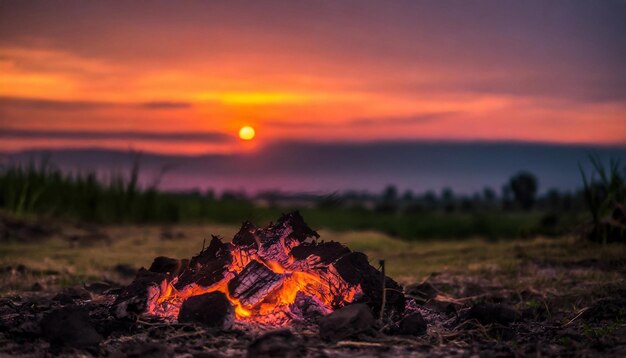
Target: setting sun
{"x":246,"y":133}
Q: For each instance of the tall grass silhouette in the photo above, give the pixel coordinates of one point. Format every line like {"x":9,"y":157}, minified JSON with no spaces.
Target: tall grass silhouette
{"x":605,"y":196}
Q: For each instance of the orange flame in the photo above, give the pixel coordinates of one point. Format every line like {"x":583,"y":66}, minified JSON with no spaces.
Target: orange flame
{"x":323,"y":285}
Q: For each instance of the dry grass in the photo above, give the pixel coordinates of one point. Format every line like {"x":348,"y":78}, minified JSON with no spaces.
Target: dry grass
{"x":513,"y":262}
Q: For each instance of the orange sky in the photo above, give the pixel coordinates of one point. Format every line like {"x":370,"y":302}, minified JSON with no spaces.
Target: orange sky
{"x":316,"y":72}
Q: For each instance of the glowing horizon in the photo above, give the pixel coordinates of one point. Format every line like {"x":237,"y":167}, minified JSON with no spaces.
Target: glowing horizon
{"x":415,"y":72}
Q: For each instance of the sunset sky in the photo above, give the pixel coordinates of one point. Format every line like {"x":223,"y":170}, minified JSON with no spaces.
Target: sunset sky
{"x":183,"y":76}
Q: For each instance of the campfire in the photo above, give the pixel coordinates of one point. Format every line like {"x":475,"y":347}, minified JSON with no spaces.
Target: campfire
{"x":266,"y":276}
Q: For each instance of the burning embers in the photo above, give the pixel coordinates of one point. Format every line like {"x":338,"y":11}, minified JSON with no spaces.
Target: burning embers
{"x":269,"y":275}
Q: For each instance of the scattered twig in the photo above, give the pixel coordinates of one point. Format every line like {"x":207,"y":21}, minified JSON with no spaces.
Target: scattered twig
{"x":580,"y":313}
{"x":156,"y":324}
{"x":359,"y":344}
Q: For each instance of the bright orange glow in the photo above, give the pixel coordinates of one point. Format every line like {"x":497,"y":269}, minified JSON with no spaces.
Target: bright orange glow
{"x":323,"y":286}
{"x":247,"y":133}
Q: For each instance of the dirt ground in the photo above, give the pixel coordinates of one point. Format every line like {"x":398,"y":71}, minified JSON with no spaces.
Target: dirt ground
{"x":566,"y":296}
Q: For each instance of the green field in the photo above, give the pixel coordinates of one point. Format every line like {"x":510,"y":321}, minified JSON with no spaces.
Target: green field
{"x":43,"y":191}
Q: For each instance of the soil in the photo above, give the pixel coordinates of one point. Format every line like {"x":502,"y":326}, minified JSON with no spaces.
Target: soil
{"x":530,"y":298}
{"x":490,"y":323}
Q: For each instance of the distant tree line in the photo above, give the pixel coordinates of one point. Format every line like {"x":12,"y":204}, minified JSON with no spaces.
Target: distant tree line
{"x":519,"y":193}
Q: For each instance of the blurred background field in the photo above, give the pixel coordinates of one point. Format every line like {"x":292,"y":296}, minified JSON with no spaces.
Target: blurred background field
{"x":64,"y":228}
{"x":516,"y":210}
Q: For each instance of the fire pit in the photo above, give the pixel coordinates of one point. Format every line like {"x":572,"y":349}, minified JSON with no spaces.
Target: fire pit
{"x":268,"y":276}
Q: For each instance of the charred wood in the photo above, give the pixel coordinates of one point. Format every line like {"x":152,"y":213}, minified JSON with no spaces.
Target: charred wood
{"x":254,"y":283}
{"x":355,"y":269}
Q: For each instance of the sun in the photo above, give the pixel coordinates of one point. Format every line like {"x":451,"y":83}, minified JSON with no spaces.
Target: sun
{"x":246,"y":133}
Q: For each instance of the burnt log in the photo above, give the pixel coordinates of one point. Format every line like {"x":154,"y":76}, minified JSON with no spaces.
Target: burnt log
{"x":212,"y":309}
{"x":276,"y":239}
{"x":355,"y":269}
{"x":328,"y":252}
{"x":308,"y":306}
{"x":245,"y":237}
{"x":254,"y":283}
{"x":133,"y":299}
{"x":167,"y":265}
{"x":291,"y":228}
{"x":217,"y":250}
{"x":208,"y":267}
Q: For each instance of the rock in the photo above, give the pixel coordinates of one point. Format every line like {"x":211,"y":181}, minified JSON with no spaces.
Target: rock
{"x":412,"y":325}
{"x":346,"y":322}
{"x":69,"y":326}
{"x":212,"y":309}
{"x":280,"y":343}
{"x":488,"y":313}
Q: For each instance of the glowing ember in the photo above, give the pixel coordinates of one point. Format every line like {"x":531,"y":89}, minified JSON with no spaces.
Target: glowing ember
{"x":270,"y":276}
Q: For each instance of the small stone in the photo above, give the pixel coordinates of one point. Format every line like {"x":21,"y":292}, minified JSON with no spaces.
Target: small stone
{"x":346,"y":321}
{"x":69,"y":326}
{"x":488,"y":313}
{"x":212,"y":309}
{"x":280,"y":343}
{"x":412,"y":325}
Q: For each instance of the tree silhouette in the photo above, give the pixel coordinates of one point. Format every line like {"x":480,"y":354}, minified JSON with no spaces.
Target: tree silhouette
{"x":524,"y":186}
{"x":388,"y":200}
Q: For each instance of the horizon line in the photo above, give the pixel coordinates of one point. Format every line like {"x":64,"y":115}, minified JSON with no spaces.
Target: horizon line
{"x":277,"y":143}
